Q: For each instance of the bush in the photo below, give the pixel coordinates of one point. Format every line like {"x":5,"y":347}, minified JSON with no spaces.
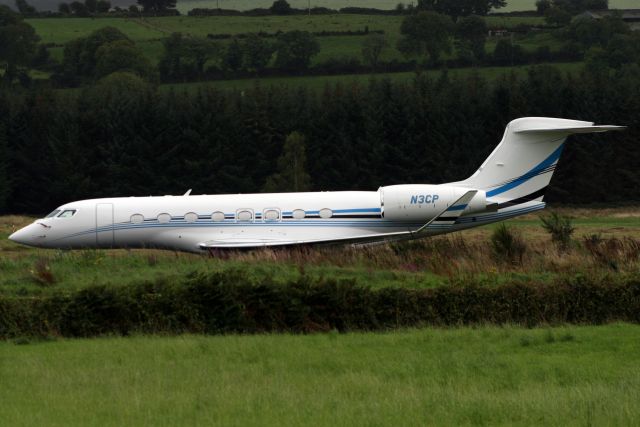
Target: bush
{"x":507,"y":246}
{"x":560,"y":228}
{"x":231,"y":302}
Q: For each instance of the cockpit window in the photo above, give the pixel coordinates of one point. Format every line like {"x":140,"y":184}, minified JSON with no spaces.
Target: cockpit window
{"x":67,"y":213}
{"x":52,"y":214}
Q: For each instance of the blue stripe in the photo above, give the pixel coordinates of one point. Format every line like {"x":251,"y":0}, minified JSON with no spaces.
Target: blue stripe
{"x":553,"y":157}
{"x":457,"y":208}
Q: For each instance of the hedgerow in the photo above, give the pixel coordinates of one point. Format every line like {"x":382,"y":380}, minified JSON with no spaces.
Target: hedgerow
{"x":231,"y":302}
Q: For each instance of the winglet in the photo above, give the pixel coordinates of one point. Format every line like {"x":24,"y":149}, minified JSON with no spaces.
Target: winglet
{"x":448,"y":217}
{"x":187,"y":193}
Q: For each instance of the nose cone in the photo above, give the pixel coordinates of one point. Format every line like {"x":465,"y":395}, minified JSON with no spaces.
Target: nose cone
{"x":27,"y":236}
{"x":19,"y":236}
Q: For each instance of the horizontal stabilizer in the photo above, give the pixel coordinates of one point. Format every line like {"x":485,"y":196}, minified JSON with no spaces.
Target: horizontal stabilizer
{"x":572,"y":130}
{"x":448,"y":217}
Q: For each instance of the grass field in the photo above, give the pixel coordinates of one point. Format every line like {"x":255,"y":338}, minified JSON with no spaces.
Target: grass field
{"x":457,"y":257}
{"x":148,"y":32}
{"x":512,"y":5}
{"x":483,"y":376}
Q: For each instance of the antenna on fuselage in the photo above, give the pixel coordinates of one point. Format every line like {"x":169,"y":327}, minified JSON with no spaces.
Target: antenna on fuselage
{"x":187,"y":193}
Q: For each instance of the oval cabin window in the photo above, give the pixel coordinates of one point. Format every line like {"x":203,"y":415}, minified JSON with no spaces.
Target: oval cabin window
{"x":271,"y":215}
{"x":164,"y":218}
{"x":298,"y":214}
{"x":245,"y":216}
{"x":191,"y":217}
{"x":326,"y":213}
{"x":137,"y":219}
{"x":217,"y":216}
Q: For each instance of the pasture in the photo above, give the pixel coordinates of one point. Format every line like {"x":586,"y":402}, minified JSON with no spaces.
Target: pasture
{"x":571,"y":375}
{"x":148,"y":32}
{"x":185,"y":6}
{"x":454,"y":258}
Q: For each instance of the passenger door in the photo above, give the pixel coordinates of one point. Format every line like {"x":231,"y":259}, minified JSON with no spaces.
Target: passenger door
{"x":104,"y":224}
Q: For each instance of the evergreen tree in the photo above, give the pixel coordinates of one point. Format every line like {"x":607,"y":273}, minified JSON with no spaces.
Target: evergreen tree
{"x":4,"y":177}
{"x":291,"y":174}
{"x":232,"y":59}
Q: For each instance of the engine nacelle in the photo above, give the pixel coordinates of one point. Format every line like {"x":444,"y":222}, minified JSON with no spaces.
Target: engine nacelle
{"x":422,"y":202}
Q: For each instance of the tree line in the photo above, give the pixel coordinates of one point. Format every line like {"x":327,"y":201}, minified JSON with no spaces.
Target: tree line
{"x":123,"y":136}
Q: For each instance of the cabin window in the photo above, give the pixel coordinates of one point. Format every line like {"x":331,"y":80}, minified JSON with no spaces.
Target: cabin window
{"x":217,"y":216}
{"x":191,"y":217}
{"x":137,"y":219}
{"x":164,"y":218}
{"x":67,"y":213}
{"x":245,"y":215}
{"x":271,"y":215}
{"x":298,"y":214}
{"x":52,"y":214}
{"x":326,"y":213}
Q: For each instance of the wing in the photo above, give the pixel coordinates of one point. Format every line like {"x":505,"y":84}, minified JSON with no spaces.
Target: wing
{"x":447,"y":218}
{"x":258,"y":241}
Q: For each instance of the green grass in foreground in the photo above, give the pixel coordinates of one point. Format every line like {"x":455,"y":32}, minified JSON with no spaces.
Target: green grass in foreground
{"x":507,"y":376}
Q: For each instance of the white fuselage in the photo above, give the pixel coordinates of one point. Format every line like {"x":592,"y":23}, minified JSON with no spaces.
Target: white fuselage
{"x":195,"y":223}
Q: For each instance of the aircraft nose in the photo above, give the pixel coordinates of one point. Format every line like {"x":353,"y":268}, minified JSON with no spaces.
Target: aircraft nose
{"x":18,"y":236}
{"x":27,"y":235}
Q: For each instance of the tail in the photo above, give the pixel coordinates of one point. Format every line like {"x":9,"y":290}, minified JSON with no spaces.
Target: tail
{"x":521,"y":166}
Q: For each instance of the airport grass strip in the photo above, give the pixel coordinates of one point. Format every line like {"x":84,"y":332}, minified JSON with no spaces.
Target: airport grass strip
{"x":231,"y":302}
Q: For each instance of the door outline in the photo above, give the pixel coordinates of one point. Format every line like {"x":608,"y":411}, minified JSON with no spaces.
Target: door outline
{"x":104,"y":217}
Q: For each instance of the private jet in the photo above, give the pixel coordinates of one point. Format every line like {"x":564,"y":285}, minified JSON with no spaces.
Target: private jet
{"x":511,"y":182}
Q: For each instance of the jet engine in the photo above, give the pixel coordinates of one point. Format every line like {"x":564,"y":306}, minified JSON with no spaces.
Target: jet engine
{"x":422,"y":202}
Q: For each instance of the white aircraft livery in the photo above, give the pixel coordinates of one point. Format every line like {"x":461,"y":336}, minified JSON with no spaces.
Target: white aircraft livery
{"x":511,"y":182}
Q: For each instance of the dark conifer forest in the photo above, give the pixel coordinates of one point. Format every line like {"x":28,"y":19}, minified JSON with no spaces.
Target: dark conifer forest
{"x":126,"y":137}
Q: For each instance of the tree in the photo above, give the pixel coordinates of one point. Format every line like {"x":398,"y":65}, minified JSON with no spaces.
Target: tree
{"x":103,"y":6}
{"x":294,"y":50}
{"x":133,"y":9}
{"x":91,"y":5}
{"x":291,"y":174}
{"x":280,"y":7}
{"x":79,"y":9}
{"x":426,"y":33}
{"x":471,"y":34}
{"x":257,"y":53}
{"x":557,"y":16}
{"x":590,"y":32}
{"x":185,"y":57}
{"x":372,"y":47}
{"x":506,"y":53}
{"x":122,"y":55}
{"x":157,"y":5}
{"x":79,"y":57}
{"x":25,"y":8}
{"x":64,"y":8}
{"x":4,"y":177}
{"x":232,"y":59}
{"x":456,"y":8}
{"x":18,"y":41}
{"x":542,"y":6}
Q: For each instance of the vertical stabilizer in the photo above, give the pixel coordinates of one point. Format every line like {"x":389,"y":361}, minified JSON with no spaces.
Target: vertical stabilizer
{"x":521,"y":166}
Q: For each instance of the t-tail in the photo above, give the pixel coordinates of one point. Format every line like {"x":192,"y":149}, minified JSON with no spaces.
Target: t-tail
{"x":520,"y":168}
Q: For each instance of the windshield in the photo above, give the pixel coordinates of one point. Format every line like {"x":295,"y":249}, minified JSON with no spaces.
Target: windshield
{"x":67,"y":213}
{"x":52,"y":214}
